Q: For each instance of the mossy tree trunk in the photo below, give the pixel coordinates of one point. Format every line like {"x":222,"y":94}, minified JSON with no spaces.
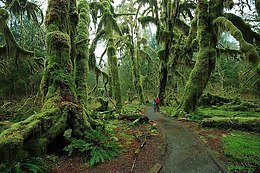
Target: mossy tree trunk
{"x":209,"y":18}
{"x":205,"y":62}
{"x":112,"y":60}
{"x":110,"y":26}
{"x":136,"y":69}
{"x":61,"y":109}
{"x":82,"y":54}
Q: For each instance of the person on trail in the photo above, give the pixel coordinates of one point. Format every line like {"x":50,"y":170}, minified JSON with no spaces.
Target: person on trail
{"x":157,"y":102}
{"x":154,"y":104}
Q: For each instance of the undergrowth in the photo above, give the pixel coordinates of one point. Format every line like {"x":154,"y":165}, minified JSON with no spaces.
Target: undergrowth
{"x":34,"y":165}
{"x":98,"y":144}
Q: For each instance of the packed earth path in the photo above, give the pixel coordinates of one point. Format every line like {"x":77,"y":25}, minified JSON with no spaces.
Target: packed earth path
{"x":185,"y":152}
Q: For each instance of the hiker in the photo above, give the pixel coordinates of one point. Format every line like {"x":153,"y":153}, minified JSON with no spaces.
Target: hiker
{"x":154,"y":105}
{"x":157,"y":102}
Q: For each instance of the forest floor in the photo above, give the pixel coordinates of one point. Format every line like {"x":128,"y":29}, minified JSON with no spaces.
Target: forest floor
{"x":176,"y":145}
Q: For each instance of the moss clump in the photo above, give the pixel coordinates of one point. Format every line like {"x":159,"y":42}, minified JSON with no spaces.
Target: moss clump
{"x":20,"y":136}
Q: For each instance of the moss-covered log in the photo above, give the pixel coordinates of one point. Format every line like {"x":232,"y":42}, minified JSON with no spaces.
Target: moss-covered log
{"x":238,"y":123}
{"x":210,"y":100}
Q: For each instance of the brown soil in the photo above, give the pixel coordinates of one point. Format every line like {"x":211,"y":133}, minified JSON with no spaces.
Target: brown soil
{"x":149,"y":155}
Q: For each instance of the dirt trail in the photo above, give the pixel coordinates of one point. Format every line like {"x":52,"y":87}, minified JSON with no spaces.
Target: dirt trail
{"x":185,"y":153}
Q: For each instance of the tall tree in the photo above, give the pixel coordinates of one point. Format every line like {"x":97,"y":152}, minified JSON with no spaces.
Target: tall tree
{"x":107,"y":28}
{"x":133,"y":44}
{"x":211,"y":23}
{"x":62,"y":109}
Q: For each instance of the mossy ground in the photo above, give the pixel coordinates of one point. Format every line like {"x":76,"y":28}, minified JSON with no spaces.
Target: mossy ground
{"x":58,"y":161}
{"x":244,"y":148}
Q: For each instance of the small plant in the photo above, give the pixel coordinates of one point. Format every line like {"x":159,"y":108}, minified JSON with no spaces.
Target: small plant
{"x":97,"y":143}
{"x":238,"y":168}
{"x":21,"y":167}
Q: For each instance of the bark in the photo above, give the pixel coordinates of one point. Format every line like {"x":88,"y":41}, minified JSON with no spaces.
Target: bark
{"x":61,"y":109}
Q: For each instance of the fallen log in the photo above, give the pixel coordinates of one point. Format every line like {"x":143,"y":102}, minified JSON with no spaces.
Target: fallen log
{"x":129,"y":117}
{"x":237,"y":123}
{"x":210,"y":99}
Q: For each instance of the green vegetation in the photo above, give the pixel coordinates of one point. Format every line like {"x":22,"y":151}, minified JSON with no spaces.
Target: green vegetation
{"x":242,"y":147}
{"x":209,"y":112}
{"x":94,"y":62}
{"x":98,"y":144}
{"x":37,"y":165}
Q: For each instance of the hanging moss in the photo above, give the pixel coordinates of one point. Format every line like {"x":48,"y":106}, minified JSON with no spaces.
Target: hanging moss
{"x":4,"y":16}
{"x":248,"y":49}
{"x":145,"y":20}
{"x":248,"y":34}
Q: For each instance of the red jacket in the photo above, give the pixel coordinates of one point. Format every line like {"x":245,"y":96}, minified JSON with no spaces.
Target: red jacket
{"x":157,"y":101}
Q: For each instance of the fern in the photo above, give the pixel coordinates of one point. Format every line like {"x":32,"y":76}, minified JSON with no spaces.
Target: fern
{"x":97,"y":144}
{"x":34,"y":168}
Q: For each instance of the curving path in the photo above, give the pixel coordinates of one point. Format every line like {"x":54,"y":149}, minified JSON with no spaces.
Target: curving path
{"x":185,"y":153}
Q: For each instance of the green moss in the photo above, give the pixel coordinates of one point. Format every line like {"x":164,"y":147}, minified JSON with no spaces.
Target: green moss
{"x":58,"y":40}
{"x":4,"y":16}
{"x":243,"y":147}
{"x":223,"y":113}
{"x":82,"y":52}
{"x":145,"y":20}
{"x":248,"y":49}
{"x":57,"y":15}
{"x":13,"y":141}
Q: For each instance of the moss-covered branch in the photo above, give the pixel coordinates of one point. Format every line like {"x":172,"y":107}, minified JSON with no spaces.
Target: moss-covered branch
{"x":248,"y":34}
{"x":248,"y":49}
